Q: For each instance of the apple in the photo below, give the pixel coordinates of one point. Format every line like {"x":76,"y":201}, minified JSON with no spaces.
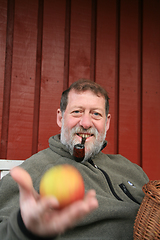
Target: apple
{"x":63,"y":182}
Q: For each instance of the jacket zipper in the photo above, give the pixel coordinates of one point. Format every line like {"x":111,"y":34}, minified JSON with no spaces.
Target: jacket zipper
{"x":122,"y":186}
{"x":125,"y":190}
{"x":108,"y":180}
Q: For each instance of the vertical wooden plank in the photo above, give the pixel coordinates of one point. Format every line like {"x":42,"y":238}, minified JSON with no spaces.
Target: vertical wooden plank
{"x":37,"y":79}
{"x":106,"y":61}
{"x":151,"y":89}
{"x":7,"y":76}
{"x":52,"y":68}
{"x":23,"y":79}
{"x":3,"y":27}
{"x":129,"y":118}
{"x":80,"y":40}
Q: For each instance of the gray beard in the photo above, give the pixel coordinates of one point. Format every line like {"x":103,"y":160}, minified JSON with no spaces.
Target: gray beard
{"x":67,"y":138}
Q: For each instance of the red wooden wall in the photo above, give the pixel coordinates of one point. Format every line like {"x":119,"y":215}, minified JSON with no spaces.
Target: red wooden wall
{"x":45,"y":45}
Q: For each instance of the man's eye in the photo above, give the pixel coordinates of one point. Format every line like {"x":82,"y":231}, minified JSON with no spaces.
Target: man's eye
{"x":76,"y":113}
{"x":97,"y":115}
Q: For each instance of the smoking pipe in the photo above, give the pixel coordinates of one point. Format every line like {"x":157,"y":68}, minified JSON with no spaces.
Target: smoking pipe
{"x":79,"y":150}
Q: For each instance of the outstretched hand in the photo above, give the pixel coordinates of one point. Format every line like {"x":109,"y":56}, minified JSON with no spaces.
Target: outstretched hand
{"x":42,"y":216}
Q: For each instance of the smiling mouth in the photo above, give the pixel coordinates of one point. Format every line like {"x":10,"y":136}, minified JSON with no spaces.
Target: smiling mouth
{"x":85,"y":135}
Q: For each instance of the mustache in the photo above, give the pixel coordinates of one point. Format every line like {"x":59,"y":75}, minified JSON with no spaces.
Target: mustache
{"x":79,"y":129}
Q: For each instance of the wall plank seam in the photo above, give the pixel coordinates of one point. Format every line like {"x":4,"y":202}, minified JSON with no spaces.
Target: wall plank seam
{"x":37,"y":79}
{"x":117,"y":67}
{"x":67,"y":45}
{"x":93,"y":39}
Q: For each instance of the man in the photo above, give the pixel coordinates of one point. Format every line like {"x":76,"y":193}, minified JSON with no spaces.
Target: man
{"x":117,"y":182}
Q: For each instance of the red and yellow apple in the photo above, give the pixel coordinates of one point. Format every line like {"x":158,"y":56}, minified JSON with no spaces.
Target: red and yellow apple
{"x":63,"y":182}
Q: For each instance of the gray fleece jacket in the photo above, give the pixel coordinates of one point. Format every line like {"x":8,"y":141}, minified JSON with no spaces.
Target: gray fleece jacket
{"x":117,"y":181}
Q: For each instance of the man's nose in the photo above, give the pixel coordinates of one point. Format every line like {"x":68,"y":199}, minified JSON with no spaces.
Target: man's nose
{"x":86,"y":121}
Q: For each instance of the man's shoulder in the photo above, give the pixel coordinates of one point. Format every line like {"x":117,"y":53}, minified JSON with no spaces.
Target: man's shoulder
{"x":119,"y":161}
{"x":118,"y":157}
{"x":114,"y":157}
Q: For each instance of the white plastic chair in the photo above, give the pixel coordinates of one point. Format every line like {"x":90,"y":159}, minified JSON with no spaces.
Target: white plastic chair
{"x":7,"y":165}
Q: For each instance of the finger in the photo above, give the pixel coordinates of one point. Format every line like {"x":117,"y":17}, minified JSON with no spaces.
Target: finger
{"x":22,"y":178}
{"x":47,"y":203}
{"x":77,"y":211}
{"x":90,"y":199}
{"x":24,"y":181}
{"x":85,"y":207}
{"x":90,"y":194}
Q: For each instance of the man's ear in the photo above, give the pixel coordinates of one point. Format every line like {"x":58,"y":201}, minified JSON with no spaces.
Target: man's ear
{"x":108,"y":122}
{"x":59,"y":117}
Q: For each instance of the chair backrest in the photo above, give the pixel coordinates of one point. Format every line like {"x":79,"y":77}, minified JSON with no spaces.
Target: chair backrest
{"x":7,"y":165}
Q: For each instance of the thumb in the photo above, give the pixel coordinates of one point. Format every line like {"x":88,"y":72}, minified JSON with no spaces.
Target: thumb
{"x":24,"y":181}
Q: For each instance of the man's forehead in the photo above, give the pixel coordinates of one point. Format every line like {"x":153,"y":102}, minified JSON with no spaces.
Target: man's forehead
{"x":75,"y":94}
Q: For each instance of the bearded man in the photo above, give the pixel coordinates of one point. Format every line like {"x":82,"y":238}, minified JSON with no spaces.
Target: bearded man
{"x":113,"y":184}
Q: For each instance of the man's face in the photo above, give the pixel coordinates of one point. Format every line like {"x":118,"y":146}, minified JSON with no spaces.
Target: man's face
{"x":84,"y":117}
